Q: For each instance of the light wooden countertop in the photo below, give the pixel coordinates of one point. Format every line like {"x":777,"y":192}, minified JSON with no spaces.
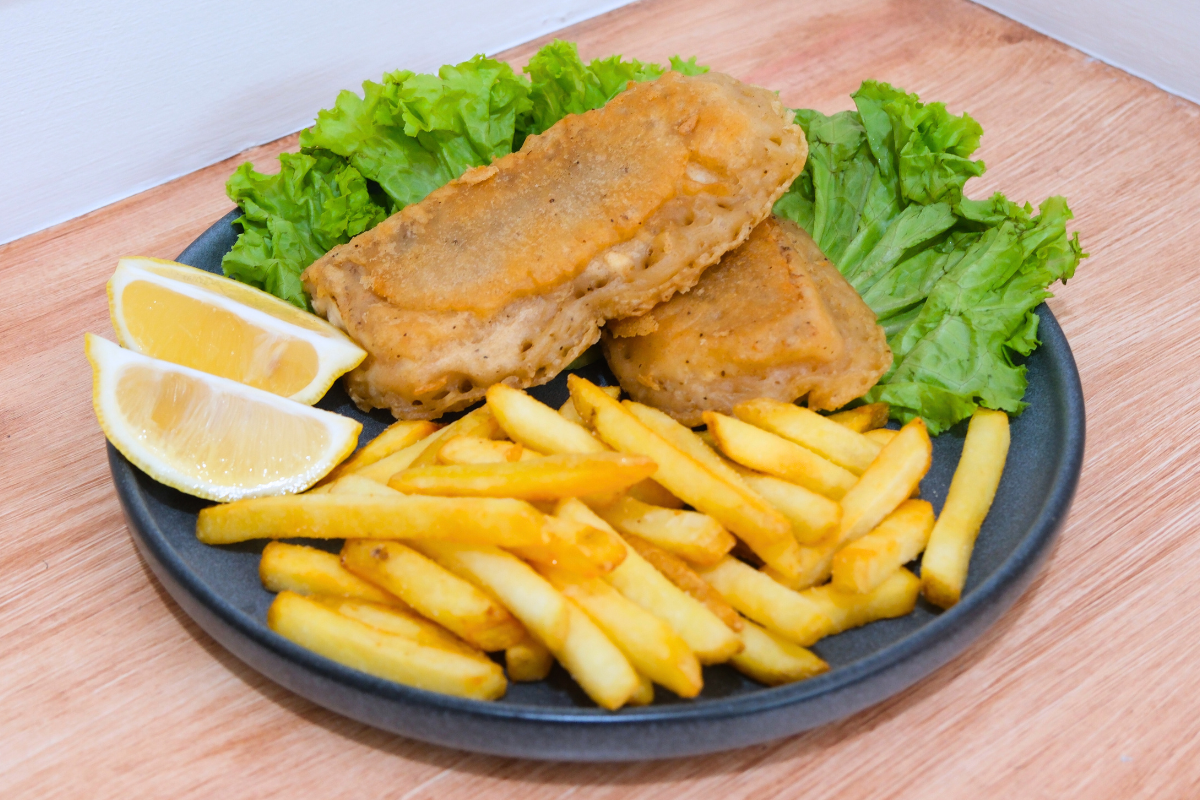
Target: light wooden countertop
{"x":1086,"y":688}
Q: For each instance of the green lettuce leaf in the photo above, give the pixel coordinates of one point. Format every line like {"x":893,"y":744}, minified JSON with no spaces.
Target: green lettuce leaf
{"x":290,"y":219}
{"x":953,"y":281}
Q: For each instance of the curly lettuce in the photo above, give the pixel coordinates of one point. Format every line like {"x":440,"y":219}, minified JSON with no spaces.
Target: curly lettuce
{"x":953,"y":281}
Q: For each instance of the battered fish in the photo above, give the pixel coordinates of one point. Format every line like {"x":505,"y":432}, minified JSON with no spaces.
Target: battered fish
{"x":774,"y":319}
{"x":507,"y":274}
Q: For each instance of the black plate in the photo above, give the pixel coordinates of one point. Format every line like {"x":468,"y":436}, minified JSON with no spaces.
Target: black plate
{"x":219,"y":588}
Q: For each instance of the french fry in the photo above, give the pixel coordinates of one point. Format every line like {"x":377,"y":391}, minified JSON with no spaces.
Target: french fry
{"x":837,"y":443}
{"x":526,"y":594}
{"x":708,"y":637}
{"x":652,"y":493}
{"x":473,"y":520}
{"x":881,"y":436}
{"x":814,"y":517}
{"x":895,"y":597}
{"x":863,"y":418}
{"x":765,"y":601}
{"x":742,"y":512}
{"x":358,"y":485}
{"x":676,"y":570}
{"x":368,"y":649}
{"x":688,"y":534}
{"x":699,"y":446}
{"x":548,"y":478}
{"x":538,"y":427}
{"x":651,"y":646}
{"x":479,"y":422}
{"x":575,"y":547}
{"x":309,"y":571}
{"x":395,"y":437}
{"x":759,"y":450}
{"x":773,"y":660}
{"x":866,"y":563}
{"x":816,"y":562}
{"x":598,"y":665}
{"x":477,"y":450}
{"x":528,"y":660}
{"x":890,"y":479}
{"x":644,"y":694}
{"x":435,"y":593}
{"x":972,"y":489}
{"x":404,"y":623}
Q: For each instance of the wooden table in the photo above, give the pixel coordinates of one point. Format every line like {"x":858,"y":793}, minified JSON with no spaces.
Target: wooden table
{"x":1087,"y":688}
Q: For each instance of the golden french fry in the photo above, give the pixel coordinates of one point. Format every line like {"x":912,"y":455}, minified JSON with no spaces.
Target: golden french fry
{"x":401,"y":622}
{"x":477,"y":450}
{"x":651,"y":646}
{"x":699,"y":446}
{"x":598,"y":665}
{"x":742,"y":512}
{"x":759,"y":450}
{"x":765,"y":601}
{"x":644,"y":694}
{"x":814,"y":517}
{"x":972,"y":489}
{"x":816,"y":561}
{"x":890,"y":479}
{"x":773,"y":660}
{"x":529,"y":597}
{"x":707,"y":636}
{"x":676,"y":570}
{"x":528,"y":660}
{"x":688,"y":534}
{"x":652,"y":493}
{"x":837,"y":443}
{"x":538,"y":427}
{"x":479,"y":422}
{"x":881,"y":436}
{"x":394,"y":438}
{"x":307,"y":570}
{"x":568,"y":412}
{"x":575,"y":547}
{"x":863,"y":418}
{"x":432,"y":591}
{"x":358,"y":485}
{"x":368,"y":649}
{"x":548,"y":478}
{"x":476,"y":520}
{"x":895,"y":597}
{"x":865,"y":563}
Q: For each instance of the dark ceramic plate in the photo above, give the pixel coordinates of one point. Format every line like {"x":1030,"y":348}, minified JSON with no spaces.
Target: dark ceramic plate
{"x":552,"y":719}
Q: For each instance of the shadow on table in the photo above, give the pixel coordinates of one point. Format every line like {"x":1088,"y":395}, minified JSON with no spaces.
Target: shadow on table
{"x":609,"y":774}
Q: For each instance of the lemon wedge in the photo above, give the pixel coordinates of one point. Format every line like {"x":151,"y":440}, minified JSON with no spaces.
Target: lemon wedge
{"x":197,"y":319}
{"x":210,"y":436}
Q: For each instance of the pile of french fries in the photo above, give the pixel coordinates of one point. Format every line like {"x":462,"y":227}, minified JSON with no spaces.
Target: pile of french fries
{"x":611,"y":539}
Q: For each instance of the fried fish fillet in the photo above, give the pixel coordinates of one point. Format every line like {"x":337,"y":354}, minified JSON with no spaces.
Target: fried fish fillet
{"x":507,"y":273}
{"x":774,"y":319}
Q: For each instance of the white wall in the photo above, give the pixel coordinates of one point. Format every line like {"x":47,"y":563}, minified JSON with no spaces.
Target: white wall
{"x":102,"y":100}
{"x":1158,"y":40}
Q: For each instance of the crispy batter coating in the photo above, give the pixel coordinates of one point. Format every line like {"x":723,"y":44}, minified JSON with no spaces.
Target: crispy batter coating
{"x":774,"y":319}
{"x":507,"y":274}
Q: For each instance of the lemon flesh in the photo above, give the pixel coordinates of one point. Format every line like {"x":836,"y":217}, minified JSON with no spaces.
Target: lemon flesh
{"x":209,"y":436}
{"x":206,"y":322}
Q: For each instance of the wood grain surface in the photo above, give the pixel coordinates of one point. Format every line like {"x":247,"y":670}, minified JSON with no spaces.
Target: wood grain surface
{"x":1086,"y":688}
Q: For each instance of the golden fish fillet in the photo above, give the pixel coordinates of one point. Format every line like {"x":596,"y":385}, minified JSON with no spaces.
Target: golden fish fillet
{"x":507,"y":273}
{"x":774,"y":319}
